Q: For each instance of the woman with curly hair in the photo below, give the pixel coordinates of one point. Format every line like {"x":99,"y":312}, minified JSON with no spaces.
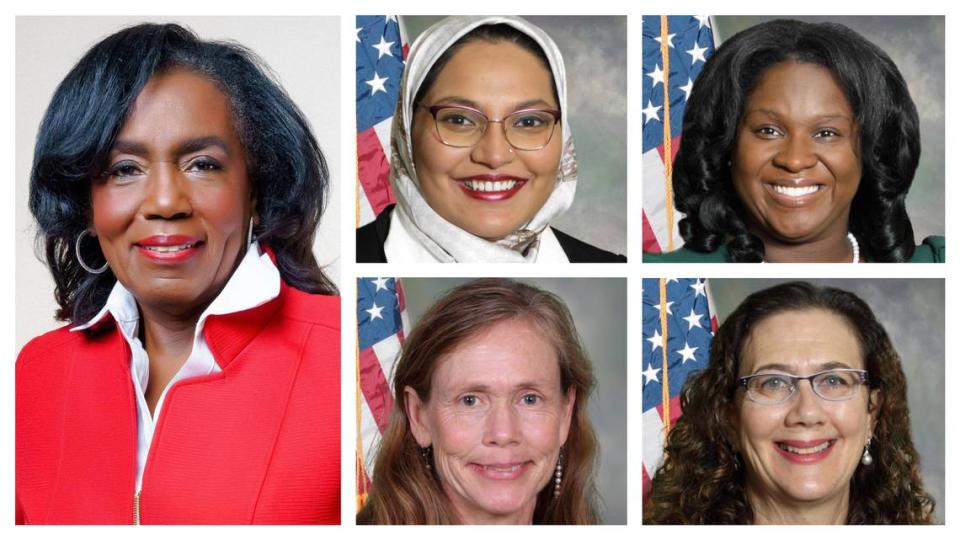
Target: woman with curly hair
{"x":490,"y":422}
{"x":800,"y":142}
{"x":800,"y":418}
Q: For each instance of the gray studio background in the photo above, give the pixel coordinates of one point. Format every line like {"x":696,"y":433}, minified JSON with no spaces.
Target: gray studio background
{"x":599,"y":311}
{"x":911,"y":310}
{"x":303,"y":52}
{"x":595,"y":56}
{"x":916,"y":45}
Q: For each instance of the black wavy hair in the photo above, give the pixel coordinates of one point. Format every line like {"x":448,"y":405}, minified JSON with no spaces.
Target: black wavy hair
{"x":878,"y":96}
{"x":284,"y":162}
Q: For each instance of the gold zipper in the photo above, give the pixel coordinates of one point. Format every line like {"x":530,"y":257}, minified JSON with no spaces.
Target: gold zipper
{"x":136,"y":509}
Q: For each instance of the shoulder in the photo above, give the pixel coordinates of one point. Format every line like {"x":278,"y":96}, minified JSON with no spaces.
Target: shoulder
{"x":932,"y":249}
{"x":371,"y":237}
{"x":684,"y":255}
{"x":580,"y":251}
{"x":314,"y":309}
{"x":49,"y":346}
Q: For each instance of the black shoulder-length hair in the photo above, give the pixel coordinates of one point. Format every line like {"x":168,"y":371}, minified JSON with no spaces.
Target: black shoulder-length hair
{"x":284,"y":162}
{"x":878,"y":96}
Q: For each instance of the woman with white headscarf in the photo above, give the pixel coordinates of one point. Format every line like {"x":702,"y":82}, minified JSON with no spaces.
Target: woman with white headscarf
{"x":482,"y":153}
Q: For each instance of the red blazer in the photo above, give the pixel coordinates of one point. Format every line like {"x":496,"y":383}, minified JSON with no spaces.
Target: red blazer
{"x":258,"y":442}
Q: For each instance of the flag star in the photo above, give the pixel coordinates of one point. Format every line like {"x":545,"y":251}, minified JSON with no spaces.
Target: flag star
{"x":704,"y":20}
{"x":358,"y":34}
{"x":650,"y":113}
{"x":383,"y":48}
{"x":375,"y":312}
{"x":668,"y":304}
{"x":656,"y":340}
{"x":380,"y":282}
{"x":377,"y":84}
{"x":693,"y":319}
{"x":700,"y":287}
{"x":656,"y":75}
{"x":687,"y":352}
{"x":672,"y":279}
{"x":669,"y":40}
{"x":687,"y":88}
{"x":697,"y":53}
{"x":650,"y":375}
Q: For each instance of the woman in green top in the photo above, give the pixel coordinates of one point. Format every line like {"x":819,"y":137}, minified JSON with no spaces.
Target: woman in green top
{"x":800,"y":142}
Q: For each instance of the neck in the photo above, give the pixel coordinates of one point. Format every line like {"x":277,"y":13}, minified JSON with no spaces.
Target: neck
{"x":779,"y":510}
{"x":835,"y":248}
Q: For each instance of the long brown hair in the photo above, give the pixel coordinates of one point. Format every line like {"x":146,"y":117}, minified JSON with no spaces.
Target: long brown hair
{"x":701,"y":480}
{"x":404,"y":490}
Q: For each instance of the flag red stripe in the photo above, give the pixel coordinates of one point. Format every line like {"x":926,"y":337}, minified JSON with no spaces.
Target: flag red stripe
{"x":373,"y":170}
{"x":375,"y":388}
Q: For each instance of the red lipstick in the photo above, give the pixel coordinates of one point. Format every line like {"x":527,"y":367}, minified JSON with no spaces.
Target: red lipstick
{"x":805,"y":452}
{"x":170,"y":249}
{"x":491,"y":187}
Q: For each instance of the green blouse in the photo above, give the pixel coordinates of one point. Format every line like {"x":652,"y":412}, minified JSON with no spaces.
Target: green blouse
{"x":932,"y":250}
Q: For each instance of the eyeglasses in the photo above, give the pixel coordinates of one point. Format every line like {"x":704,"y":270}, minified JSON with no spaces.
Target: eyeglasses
{"x":831,"y":385}
{"x":463,"y":127}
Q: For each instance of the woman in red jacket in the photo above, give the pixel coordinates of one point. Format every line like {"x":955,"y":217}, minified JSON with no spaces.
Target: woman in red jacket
{"x":176,"y":189}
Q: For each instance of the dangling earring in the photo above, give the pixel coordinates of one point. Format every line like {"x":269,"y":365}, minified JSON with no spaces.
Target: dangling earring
{"x":425,"y":454}
{"x":85,"y":266}
{"x":250,"y":237}
{"x":867,"y":459}
{"x":558,"y":475}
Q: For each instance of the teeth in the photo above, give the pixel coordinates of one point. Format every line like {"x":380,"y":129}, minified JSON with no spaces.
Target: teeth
{"x":795,"y":191}
{"x":805,"y":451}
{"x":168,"y":249}
{"x":507,"y":469}
{"x":480,"y":185}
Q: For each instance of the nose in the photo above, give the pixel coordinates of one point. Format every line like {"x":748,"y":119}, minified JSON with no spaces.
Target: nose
{"x":796,"y":154}
{"x":167,"y":195}
{"x":806,"y":407}
{"x":502,"y":426}
{"x":493,"y":150}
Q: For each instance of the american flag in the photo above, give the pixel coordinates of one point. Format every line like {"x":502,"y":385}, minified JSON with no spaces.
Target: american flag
{"x":381,"y":327}
{"x":381,"y":52}
{"x":678,"y":325}
{"x":675,"y":49}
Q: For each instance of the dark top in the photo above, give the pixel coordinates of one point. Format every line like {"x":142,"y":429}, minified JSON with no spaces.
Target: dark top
{"x":932,"y":250}
{"x":371,"y":237}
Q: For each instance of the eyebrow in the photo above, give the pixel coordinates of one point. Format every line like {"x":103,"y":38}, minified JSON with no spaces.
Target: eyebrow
{"x":790,"y":369}
{"x":818,"y":117}
{"x":460,"y":100}
{"x":190,"y":145}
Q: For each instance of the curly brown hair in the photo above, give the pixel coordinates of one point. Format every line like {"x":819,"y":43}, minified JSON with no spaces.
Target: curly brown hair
{"x":405,"y":491}
{"x":701,"y":479}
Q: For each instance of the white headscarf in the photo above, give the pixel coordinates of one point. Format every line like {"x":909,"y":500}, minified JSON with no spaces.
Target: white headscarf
{"x":446,"y":241}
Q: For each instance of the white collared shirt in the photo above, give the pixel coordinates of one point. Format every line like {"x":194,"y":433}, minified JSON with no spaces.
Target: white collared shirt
{"x":255,"y":282}
{"x":401,"y":246}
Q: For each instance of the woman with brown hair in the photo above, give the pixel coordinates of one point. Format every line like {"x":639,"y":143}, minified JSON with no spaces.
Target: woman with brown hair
{"x":757,"y":444}
{"x":490,"y":420}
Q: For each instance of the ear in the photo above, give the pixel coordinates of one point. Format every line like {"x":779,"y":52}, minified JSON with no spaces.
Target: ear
{"x":416,"y":415}
{"x":873,"y":405}
{"x":567,"y":418}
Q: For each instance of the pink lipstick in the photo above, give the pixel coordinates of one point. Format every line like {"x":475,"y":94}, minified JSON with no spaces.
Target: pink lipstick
{"x":501,"y":471}
{"x":805,"y":452}
{"x":491,"y":187}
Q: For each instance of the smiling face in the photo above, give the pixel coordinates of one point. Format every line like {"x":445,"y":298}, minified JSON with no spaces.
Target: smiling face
{"x":496,"y":420}
{"x":806,"y":449}
{"x":490,"y":189}
{"x":796,"y":162}
{"x":172,"y":209}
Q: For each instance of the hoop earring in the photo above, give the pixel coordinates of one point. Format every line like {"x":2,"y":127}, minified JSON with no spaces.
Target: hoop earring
{"x":558,"y":476}
{"x":88,"y":268}
{"x":250,"y":237}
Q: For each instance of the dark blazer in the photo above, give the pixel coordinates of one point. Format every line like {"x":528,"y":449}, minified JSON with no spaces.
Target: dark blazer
{"x":371,"y":237}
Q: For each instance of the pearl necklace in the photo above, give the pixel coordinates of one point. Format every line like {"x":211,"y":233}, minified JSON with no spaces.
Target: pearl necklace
{"x":853,"y":243}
